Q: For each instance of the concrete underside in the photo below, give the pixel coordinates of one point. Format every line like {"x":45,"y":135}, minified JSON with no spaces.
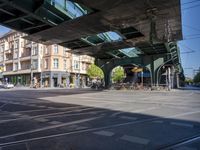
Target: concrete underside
{"x":112,"y":15}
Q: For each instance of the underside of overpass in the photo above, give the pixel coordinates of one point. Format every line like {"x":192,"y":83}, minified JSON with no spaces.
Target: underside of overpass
{"x":115,"y":32}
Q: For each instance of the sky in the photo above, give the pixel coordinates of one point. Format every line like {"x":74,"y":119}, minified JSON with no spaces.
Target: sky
{"x":190,"y":45}
{"x":191,"y":36}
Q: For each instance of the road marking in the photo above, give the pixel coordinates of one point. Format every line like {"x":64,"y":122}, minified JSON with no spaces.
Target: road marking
{"x":89,"y":130}
{"x":48,"y":115}
{"x":104,"y":133}
{"x":128,"y":117}
{"x":50,"y":127}
{"x":55,"y":122}
{"x":182,"y":124}
{"x":185,"y":114}
{"x":143,"y":110}
{"x":134,"y":139}
{"x":25,"y":116}
{"x":42,"y":106}
{"x":81,"y":128}
{"x":133,"y":111}
{"x":3,"y":105}
{"x":15,"y":114}
{"x":158,"y":121}
{"x":185,"y":148}
{"x":65,"y":108}
{"x":77,"y":132}
{"x":41,"y":119}
{"x":31,"y":105}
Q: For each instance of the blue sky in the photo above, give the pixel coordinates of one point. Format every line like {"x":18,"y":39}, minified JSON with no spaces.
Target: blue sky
{"x":191,"y":36}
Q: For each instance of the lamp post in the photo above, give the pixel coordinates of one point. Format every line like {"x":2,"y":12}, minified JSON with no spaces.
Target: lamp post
{"x":79,"y":71}
{"x":142,"y":78}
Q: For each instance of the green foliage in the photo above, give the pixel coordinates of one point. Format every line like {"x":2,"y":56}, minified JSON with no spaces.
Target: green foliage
{"x":95,"y":72}
{"x":118,"y":74}
{"x":188,"y":80}
{"x":197,"y":78}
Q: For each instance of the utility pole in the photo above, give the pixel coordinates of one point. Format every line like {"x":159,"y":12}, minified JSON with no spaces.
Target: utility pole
{"x":142,"y":78}
{"x":79,"y":71}
{"x":169,"y":78}
{"x":31,"y":65}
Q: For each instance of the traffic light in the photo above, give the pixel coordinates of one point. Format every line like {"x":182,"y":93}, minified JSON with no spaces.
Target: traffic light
{"x":136,"y":69}
{"x":1,"y":69}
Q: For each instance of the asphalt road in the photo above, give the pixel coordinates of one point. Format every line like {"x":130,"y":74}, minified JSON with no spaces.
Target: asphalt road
{"x":63,"y":119}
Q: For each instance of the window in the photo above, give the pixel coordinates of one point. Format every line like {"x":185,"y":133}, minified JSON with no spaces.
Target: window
{"x":65,"y":64}
{"x":83,"y":66}
{"x":1,"y":48}
{"x":64,"y":51}
{"x":46,"y":50}
{"x":76,"y":64}
{"x":15,"y":54}
{"x":55,"y":49}
{"x":55,"y":63}
{"x":41,"y":50}
{"x":16,"y":44}
{"x":46,"y":63}
{"x":35,"y":50}
{"x":22,"y":44}
{"x":35,"y":64}
{"x":15,"y":67}
{"x":1,"y":58}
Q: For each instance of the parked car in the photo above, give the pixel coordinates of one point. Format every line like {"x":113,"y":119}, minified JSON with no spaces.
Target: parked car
{"x":1,"y":85}
{"x":7,"y":85}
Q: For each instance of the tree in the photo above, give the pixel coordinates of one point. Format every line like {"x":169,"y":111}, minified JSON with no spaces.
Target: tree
{"x":197,"y":78}
{"x":95,"y":72}
{"x":118,"y":74}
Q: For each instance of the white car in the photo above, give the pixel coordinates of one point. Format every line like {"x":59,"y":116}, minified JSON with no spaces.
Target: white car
{"x":8,"y":86}
{"x":1,"y":85}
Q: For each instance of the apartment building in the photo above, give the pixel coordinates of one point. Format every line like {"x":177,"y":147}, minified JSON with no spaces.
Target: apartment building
{"x":23,"y":62}
{"x":19,"y":58}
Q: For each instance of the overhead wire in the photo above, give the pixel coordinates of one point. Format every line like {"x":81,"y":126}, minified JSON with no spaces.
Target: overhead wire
{"x":194,"y":1}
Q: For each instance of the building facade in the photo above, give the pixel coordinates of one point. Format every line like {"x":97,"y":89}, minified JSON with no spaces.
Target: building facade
{"x":25,"y":63}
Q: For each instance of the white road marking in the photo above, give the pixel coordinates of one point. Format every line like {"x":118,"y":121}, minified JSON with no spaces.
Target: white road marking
{"x":45,"y":115}
{"x":134,"y":139}
{"x":55,"y":122}
{"x":133,"y":111}
{"x":65,"y":108}
{"x":31,"y":105}
{"x":185,"y":148}
{"x":41,"y":119}
{"x":104,"y":133}
{"x":185,"y":114}
{"x":42,"y":106}
{"x":182,"y":124}
{"x":143,"y":110}
{"x":128,"y":117}
{"x":50,"y":127}
{"x":3,"y":105}
{"x":91,"y":129}
{"x":24,"y":116}
{"x":81,"y":128}
{"x":16,"y":114}
{"x":158,"y":121}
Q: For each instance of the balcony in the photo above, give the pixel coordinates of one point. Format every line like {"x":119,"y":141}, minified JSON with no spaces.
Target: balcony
{"x":26,"y":54}
{"x":28,"y":45}
{"x":9,"y":68}
{"x":9,"y":50}
{"x":8,"y":58}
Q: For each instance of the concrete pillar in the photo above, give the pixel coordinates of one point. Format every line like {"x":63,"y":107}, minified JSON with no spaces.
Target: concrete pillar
{"x":107,"y":79}
{"x":59,"y":78}
{"x":51,"y":80}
